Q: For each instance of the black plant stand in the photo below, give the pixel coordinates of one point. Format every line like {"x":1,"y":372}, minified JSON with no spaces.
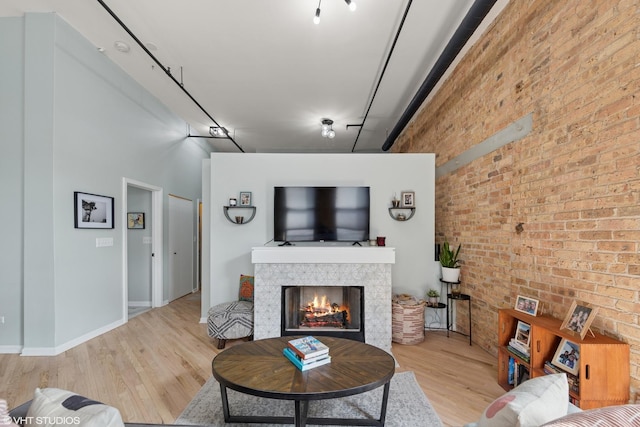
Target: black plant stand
{"x":451,"y":299}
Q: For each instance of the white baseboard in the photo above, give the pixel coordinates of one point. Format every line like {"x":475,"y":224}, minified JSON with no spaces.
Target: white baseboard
{"x":139,"y":303}
{"x":54,"y":351}
{"x":203,"y":320}
{"x":10,"y":349}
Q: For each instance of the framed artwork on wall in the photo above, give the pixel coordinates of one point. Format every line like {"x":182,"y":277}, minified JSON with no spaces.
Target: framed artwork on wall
{"x":135,"y":220}
{"x":92,"y":210}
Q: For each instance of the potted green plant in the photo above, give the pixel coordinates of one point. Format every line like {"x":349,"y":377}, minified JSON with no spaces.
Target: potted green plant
{"x":433,"y":296}
{"x":450,"y":263}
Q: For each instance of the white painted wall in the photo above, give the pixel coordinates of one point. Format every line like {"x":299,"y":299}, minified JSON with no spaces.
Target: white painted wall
{"x":386,"y":174}
{"x":73,"y":121}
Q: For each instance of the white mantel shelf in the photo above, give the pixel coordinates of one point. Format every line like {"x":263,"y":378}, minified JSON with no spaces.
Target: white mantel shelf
{"x":323,"y":255}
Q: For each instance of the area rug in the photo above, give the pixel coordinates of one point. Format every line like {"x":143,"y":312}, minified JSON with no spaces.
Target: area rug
{"x":407,"y":406}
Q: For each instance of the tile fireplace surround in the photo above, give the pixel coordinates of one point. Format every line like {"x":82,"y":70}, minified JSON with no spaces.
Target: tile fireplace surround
{"x":369,"y":267}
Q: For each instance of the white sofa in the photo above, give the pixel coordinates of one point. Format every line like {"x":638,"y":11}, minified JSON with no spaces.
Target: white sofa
{"x":544,"y":401}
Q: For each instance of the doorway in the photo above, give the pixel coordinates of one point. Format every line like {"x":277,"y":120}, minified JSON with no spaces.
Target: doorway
{"x":181,"y":243}
{"x":154,"y":239}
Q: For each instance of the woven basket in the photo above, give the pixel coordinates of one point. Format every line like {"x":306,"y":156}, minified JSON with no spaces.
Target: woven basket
{"x":407,"y":324}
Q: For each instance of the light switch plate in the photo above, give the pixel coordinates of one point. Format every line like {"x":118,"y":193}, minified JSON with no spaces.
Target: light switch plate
{"x":104,"y":241}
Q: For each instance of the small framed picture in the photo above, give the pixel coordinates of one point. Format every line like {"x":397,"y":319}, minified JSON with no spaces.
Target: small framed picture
{"x":527,"y":305}
{"x":92,"y":210}
{"x":245,"y":198}
{"x":567,"y":357}
{"x":579,"y":319}
{"x":408,"y":199}
{"x":523,"y":333}
{"x":135,"y":220}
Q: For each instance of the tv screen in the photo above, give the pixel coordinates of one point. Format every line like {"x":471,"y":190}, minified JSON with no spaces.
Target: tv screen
{"x":313,"y":214}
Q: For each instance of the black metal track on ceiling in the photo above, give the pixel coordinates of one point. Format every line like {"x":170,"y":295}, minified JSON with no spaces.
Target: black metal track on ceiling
{"x":384,"y":69}
{"x":165,"y":69}
{"x":465,"y":30}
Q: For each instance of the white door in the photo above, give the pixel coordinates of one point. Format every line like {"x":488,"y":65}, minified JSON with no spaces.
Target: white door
{"x":180,"y":247}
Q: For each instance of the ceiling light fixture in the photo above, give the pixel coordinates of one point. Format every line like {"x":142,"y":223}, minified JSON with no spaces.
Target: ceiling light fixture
{"x":316,"y":19}
{"x":218,"y":132}
{"x":352,"y":5}
{"x":327,"y":129}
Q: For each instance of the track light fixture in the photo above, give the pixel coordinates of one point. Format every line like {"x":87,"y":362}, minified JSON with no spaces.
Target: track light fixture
{"x":316,"y":19}
{"x":327,"y":129}
{"x":218,"y":132}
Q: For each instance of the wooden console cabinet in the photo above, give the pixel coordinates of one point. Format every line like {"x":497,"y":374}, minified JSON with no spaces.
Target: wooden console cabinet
{"x":604,"y":361}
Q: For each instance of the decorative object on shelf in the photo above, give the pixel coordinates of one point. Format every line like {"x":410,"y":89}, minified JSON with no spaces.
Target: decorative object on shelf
{"x":523,"y":335}
{"x":400,"y":214}
{"x":408,"y":199}
{"x":245,"y":198}
{"x":579,"y":319}
{"x":373,"y":242}
{"x":239,"y":219}
{"x":135,"y":220}
{"x":433,"y":296}
{"x":527,"y":305}
{"x":567,"y":357}
{"x":380,"y":240}
{"x":455,"y":290}
{"x":233,"y":201}
{"x":92,"y":210}
{"x":450,"y":263}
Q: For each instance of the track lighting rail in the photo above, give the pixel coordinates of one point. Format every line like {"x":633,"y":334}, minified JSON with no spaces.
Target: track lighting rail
{"x":165,"y":69}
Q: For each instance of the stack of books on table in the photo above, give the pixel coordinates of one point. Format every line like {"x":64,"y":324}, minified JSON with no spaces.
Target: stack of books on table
{"x":307,"y":353}
{"x":519,"y":349}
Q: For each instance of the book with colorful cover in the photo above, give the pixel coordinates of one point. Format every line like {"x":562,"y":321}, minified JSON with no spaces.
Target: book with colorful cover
{"x":308,"y":347}
{"x":305,"y":365}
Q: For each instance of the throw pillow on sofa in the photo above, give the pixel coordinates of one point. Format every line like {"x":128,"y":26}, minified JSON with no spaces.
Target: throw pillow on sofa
{"x":52,"y":406}
{"x":609,"y":416}
{"x":532,"y":403}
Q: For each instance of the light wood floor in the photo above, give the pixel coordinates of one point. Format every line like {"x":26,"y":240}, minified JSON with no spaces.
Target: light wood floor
{"x":151,"y":367}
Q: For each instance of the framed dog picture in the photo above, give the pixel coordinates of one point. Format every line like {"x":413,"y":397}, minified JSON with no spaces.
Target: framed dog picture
{"x":579,"y":319}
{"x":92,"y":210}
{"x":527,"y":305}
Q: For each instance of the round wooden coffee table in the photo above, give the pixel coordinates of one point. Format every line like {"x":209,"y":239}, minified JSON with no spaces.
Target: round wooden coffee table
{"x":259,"y":368}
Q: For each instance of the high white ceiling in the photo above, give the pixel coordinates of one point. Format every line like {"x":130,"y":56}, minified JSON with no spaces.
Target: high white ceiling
{"x":263,"y":70}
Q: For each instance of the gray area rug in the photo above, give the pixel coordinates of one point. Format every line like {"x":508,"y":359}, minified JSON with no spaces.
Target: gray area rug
{"x":407,"y":406}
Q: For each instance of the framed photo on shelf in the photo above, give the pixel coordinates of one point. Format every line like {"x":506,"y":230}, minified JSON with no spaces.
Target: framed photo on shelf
{"x":92,"y":210}
{"x":408,"y":199}
{"x":527,"y":305}
{"x":135,"y":220}
{"x":567,"y":357}
{"x":245,"y":198}
{"x":579,"y":318}
{"x":523,"y":333}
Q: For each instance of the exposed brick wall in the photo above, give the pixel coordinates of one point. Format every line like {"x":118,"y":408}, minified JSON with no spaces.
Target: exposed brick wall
{"x":573,"y":183}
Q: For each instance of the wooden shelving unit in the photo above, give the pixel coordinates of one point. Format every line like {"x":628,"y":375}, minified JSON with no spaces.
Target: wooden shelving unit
{"x":604,"y":361}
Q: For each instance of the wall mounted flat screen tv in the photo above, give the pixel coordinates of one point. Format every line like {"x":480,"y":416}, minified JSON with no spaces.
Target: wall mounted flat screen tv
{"x":315,"y":214}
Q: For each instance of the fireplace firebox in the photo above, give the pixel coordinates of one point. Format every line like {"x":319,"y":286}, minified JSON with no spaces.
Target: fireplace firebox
{"x":323,"y":310}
